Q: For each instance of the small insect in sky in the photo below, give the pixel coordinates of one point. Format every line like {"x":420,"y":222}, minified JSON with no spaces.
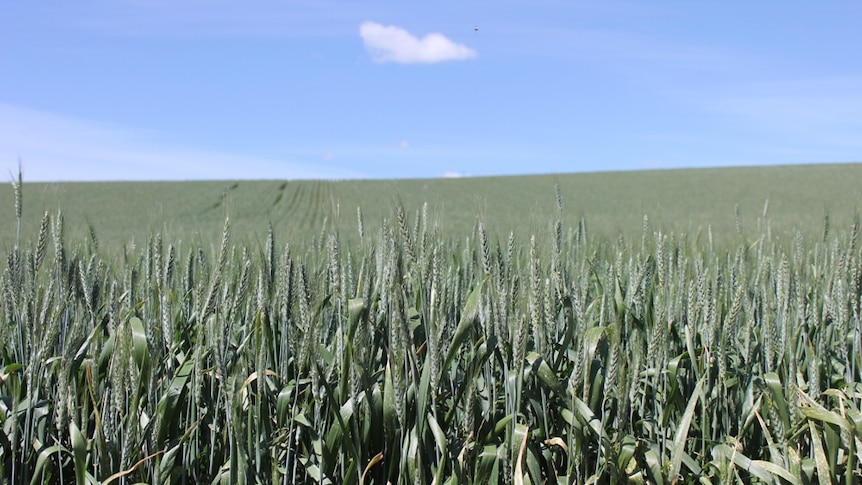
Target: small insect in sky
{"x":475,"y":28}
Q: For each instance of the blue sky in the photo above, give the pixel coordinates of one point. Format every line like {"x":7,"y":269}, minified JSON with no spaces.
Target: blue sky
{"x":185,"y":89}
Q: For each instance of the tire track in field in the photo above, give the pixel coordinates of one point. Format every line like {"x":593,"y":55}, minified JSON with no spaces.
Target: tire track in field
{"x":304,"y":204}
{"x":318,"y":204}
{"x":223,"y":196}
{"x":295,"y":197}
{"x":280,"y":195}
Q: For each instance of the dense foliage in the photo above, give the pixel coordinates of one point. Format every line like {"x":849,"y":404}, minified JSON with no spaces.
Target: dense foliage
{"x":416,"y":355}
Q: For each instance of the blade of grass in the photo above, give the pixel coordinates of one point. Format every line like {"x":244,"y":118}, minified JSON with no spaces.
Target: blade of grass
{"x":682,"y":429}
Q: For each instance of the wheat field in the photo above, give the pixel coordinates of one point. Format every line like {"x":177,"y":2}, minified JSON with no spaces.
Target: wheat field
{"x":403,"y":351}
{"x":690,"y":201}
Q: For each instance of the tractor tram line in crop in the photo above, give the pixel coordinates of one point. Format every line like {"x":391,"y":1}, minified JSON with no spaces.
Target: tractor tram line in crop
{"x":422,"y":354}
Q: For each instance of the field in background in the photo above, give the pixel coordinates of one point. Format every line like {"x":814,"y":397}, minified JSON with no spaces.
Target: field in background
{"x":515,"y":330}
{"x":612,"y":203}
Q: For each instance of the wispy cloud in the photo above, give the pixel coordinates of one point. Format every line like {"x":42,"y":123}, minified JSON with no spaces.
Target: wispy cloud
{"x":801,"y":103}
{"x":54,"y":147}
{"x":389,"y":43}
{"x":454,"y":175}
{"x":193,"y":19}
{"x":824,"y":114}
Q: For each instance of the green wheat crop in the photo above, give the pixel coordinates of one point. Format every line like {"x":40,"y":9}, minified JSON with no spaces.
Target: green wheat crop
{"x":414,"y":354}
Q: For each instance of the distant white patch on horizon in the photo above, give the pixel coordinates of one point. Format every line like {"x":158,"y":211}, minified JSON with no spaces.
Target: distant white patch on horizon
{"x":389,"y":43}
{"x":454,"y":175}
{"x":653,"y":164}
{"x":54,"y":147}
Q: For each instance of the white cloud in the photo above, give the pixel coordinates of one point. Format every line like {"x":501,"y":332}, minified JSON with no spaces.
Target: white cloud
{"x":813,"y":107}
{"x":388,"y":43}
{"x":54,"y":147}
{"x":454,"y":175}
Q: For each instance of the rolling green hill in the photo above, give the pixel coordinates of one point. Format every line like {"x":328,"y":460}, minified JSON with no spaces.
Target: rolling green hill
{"x":611,"y":203}
{"x":181,"y":349}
